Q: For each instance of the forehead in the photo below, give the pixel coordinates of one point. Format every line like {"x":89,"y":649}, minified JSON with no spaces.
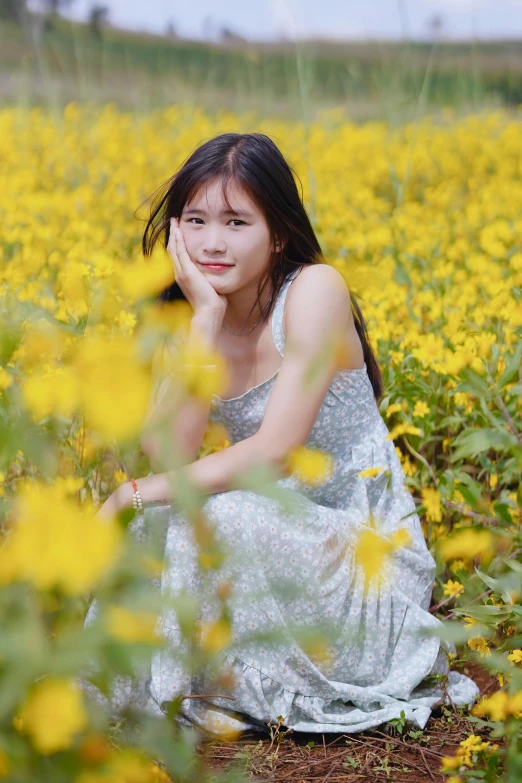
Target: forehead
{"x":211,"y":198}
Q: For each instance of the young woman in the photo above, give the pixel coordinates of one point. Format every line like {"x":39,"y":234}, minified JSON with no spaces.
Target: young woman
{"x":248,"y":261}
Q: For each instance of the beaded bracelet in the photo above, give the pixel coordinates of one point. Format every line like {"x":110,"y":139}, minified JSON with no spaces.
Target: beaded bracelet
{"x":136,"y":497}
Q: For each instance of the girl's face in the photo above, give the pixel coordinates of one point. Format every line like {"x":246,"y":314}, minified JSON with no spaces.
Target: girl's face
{"x":213,"y":235}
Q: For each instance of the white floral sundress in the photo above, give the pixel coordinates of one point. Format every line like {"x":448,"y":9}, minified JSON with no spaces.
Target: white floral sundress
{"x":291,"y":571}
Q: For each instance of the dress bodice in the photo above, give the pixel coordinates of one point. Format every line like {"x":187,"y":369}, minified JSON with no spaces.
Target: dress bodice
{"x":348,"y":411}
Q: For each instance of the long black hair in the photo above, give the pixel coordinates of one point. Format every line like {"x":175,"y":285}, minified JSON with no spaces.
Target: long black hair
{"x":253,"y":162}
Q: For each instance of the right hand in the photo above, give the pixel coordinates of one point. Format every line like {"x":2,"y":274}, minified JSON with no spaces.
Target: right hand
{"x":197,"y":289}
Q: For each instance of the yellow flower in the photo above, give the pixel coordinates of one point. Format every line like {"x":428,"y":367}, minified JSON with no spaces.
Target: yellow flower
{"x":394,"y":408}
{"x":128,"y":625}
{"x":479,"y":644}
{"x":396,"y":356}
{"x":53,"y":714}
{"x":216,"y":635}
{"x":453,"y":589}
{"x":408,"y":467}
{"x":403,"y":429}
{"x":371,"y":472}
{"x":5,"y":764}
{"x":458,"y":565}
{"x":449,"y":763}
{"x":6,"y":379}
{"x":115,"y":385}
{"x":496,"y":706}
{"x":431,"y":501}
{"x":216,"y":438}
{"x":472,"y":744}
{"x":120,"y":477}
{"x":493,"y":480}
{"x":467,"y":544}
{"x":51,"y":391}
{"x":515,"y":656}
{"x":54,"y":543}
{"x":312,"y":466}
{"x":373,"y":549}
{"x":127,"y":766}
{"x":421,"y":409}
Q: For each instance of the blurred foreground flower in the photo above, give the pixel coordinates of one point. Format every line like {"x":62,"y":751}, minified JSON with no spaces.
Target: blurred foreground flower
{"x":127,"y":625}
{"x":311,"y":465}
{"x":500,"y":705}
{"x":117,"y":385}
{"x":127,"y":766}
{"x":371,"y":472}
{"x":53,"y":714}
{"x":215,"y":636}
{"x":466,"y":545}
{"x":53,"y":543}
{"x":373,"y":550}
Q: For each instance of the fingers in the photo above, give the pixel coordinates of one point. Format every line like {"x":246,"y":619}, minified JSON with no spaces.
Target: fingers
{"x":177,"y":249}
{"x":180,"y":243}
{"x":173,"y":249}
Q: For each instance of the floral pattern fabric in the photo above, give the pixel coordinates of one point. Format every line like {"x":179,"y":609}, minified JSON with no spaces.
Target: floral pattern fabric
{"x":295,"y":570}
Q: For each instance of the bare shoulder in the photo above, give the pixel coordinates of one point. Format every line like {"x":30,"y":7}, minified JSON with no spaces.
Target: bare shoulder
{"x":323,"y":277}
{"x":317,"y":287}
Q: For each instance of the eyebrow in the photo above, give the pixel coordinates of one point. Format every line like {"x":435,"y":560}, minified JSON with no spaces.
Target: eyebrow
{"x":223,"y":212}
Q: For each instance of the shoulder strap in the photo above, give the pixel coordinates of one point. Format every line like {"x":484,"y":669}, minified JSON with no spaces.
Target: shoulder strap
{"x":278,"y":311}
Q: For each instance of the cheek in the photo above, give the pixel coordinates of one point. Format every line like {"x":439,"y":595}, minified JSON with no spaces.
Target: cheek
{"x":188,"y":240}
{"x":255,"y":241}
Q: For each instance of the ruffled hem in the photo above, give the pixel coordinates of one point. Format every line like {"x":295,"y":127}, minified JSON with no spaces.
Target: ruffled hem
{"x":264,"y":700}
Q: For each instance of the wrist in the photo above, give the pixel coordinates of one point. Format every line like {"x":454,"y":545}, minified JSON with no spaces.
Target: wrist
{"x":124,"y":494}
{"x":207,"y":324}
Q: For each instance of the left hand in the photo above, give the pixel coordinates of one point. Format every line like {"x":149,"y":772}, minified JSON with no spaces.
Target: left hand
{"x":155,"y":487}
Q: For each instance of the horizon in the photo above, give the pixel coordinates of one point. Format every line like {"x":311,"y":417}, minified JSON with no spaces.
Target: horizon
{"x":276,"y":21}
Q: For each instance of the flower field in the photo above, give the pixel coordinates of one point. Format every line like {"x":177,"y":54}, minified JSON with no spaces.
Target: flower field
{"x":424,"y":222}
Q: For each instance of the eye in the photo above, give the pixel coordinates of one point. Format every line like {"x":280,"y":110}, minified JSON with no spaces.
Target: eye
{"x":232,"y":220}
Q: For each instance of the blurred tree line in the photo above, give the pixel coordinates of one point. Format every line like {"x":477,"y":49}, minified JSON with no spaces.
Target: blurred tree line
{"x":17,"y":11}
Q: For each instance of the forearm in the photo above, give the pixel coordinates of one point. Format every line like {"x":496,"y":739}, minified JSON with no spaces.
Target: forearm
{"x":217,"y":472}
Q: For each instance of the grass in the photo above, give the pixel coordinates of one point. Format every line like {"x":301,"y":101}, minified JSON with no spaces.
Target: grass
{"x":372,"y":80}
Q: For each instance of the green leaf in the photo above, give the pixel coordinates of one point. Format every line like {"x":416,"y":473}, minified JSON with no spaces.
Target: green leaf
{"x":473,"y":383}
{"x":470,"y":490}
{"x":485,"y":613}
{"x":502,"y":512}
{"x":474,"y":441}
{"x":514,"y":564}
{"x":504,"y":586}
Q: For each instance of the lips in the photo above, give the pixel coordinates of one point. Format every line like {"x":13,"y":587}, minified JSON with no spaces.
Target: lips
{"x":213,"y":263}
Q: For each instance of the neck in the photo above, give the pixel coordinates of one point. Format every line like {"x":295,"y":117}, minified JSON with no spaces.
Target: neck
{"x":242,"y":305}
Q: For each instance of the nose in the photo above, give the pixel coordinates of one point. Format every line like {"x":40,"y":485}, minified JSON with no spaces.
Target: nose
{"x":213,"y":241}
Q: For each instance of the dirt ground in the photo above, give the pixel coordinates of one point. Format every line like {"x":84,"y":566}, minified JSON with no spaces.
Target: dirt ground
{"x":410,"y":757}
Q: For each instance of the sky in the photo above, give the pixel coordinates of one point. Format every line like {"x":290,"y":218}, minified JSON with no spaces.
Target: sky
{"x":338,"y":19}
